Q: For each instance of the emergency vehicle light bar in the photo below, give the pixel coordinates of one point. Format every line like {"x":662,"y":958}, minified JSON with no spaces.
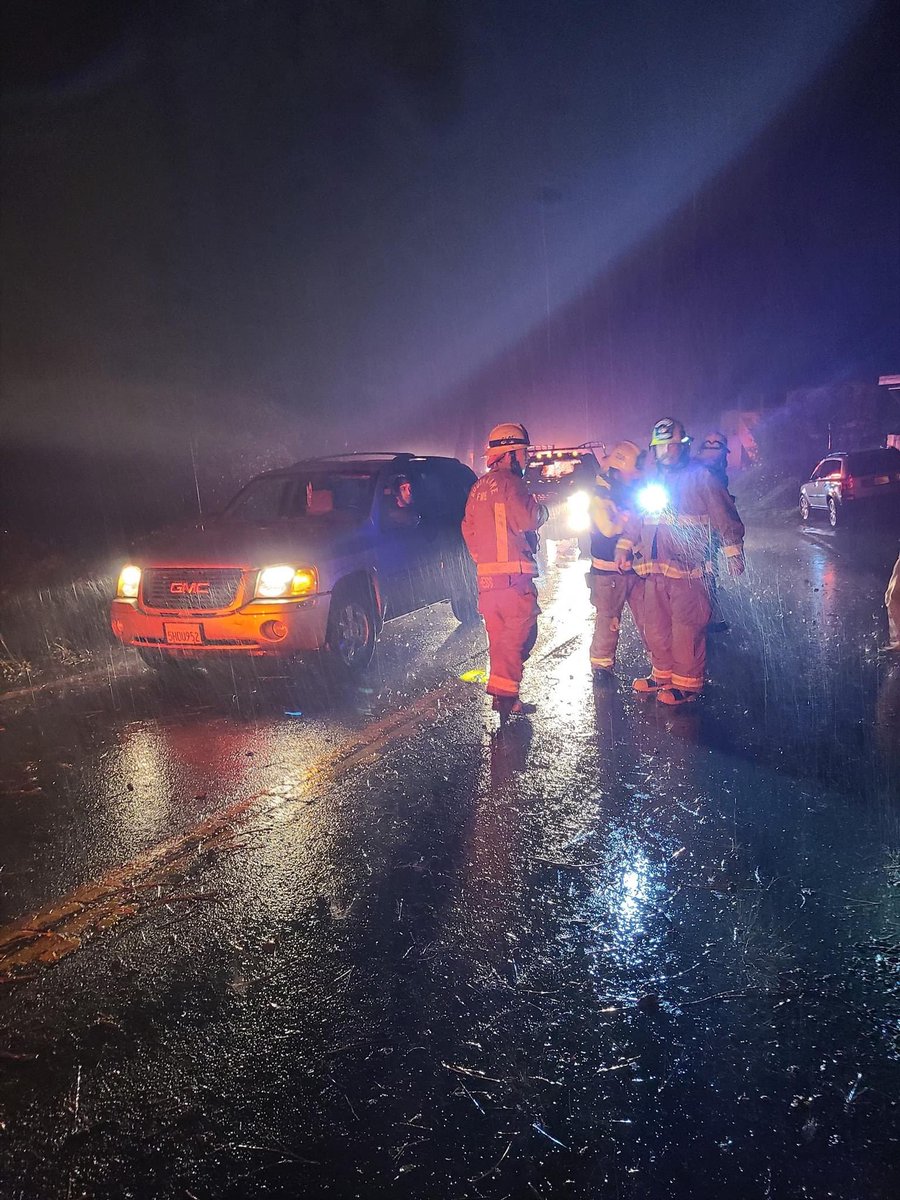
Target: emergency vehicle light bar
{"x":561,"y":452}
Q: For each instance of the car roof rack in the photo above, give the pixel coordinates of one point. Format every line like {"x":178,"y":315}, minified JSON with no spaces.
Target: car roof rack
{"x":387,"y":455}
{"x":365,"y":454}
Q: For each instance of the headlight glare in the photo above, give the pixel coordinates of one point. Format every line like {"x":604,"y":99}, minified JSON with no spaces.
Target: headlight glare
{"x":282,"y":582}
{"x":578,"y":511}
{"x":129,"y":582}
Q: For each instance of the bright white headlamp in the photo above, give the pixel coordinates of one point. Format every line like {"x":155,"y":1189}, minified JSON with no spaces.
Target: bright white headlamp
{"x":578,"y":511}
{"x":285,"y":582}
{"x":652,"y":499}
{"x":129,"y":582}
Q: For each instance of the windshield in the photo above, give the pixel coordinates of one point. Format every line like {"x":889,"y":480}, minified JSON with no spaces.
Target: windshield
{"x":261,"y":501}
{"x":323,"y":492}
{"x":314,"y":495}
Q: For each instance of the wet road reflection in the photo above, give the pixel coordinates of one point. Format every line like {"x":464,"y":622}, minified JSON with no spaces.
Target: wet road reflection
{"x":610,"y":951}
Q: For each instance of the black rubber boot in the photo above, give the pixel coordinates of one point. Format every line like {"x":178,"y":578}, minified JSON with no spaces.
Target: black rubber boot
{"x":511,"y":706}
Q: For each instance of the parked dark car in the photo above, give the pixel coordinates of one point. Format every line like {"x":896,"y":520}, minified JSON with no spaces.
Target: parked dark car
{"x":564,"y":478}
{"x":313,"y":557}
{"x":853,"y":483}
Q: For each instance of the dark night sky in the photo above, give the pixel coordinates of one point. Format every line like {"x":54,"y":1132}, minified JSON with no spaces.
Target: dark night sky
{"x":328,"y":224}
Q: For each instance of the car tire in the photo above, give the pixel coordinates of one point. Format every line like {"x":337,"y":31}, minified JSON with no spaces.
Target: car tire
{"x":352,"y":629}
{"x":804,"y":509}
{"x":463,"y":588}
{"x":834,"y":517}
{"x":464,"y":606}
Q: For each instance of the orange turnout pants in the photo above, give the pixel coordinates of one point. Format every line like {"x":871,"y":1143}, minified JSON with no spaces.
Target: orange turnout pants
{"x":609,"y":592}
{"x":675,"y":615}
{"x":509,"y":606}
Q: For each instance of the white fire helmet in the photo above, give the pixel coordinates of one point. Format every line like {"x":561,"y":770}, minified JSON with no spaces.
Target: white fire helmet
{"x":668,"y":432}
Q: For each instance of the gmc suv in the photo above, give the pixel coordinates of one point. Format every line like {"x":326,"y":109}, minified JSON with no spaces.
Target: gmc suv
{"x":313,"y":557}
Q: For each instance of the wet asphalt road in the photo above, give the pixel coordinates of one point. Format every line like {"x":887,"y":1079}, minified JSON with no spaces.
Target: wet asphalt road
{"x":378,"y":950}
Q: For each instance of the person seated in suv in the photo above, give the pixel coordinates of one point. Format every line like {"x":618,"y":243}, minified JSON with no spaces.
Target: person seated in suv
{"x":400,"y":512}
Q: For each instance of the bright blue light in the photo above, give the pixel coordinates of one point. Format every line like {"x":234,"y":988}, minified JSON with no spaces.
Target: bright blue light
{"x":652,"y":499}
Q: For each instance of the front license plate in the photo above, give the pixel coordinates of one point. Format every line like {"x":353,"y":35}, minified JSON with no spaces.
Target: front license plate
{"x":882,"y":479}
{"x":184,"y":635}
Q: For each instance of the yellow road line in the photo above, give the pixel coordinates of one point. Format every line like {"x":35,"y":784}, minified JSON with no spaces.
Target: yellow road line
{"x":55,"y":931}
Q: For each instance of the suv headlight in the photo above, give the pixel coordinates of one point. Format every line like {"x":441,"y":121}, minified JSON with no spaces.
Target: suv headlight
{"x":129,"y":582}
{"x":284,"y":582}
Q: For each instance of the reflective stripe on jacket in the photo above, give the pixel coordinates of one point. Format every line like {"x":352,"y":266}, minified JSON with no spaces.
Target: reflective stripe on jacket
{"x":679,"y":543}
{"x":501,"y":523}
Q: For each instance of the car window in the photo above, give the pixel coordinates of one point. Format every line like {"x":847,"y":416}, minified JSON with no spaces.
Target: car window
{"x":873,"y":462}
{"x":827,"y":468}
{"x":261,"y":501}
{"x":321,"y":493}
{"x":439,"y":492}
{"x":392,"y":492}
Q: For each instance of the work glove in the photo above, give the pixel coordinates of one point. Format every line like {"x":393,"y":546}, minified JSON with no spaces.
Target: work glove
{"x":735,"y":564}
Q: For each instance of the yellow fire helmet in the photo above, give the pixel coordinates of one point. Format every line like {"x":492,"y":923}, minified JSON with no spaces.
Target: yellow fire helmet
{"x":505,"y":438}
{"x":623,"y":457}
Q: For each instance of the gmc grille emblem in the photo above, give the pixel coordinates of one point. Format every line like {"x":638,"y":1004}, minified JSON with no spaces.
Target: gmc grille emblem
{"x":181,"y":587}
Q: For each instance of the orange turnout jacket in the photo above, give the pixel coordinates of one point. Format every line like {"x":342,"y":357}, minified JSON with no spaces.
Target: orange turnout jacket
{"x":680,"y":541}
{"x":501,"y":524}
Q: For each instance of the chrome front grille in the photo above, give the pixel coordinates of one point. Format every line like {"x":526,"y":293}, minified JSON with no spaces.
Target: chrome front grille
{"x":190,"y":588}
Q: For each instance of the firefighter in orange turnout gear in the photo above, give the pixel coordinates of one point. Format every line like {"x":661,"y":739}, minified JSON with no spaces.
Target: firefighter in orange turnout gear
{"x":611,"y":584}
{"x":686,"y":512}
{"x":500,"y":530}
